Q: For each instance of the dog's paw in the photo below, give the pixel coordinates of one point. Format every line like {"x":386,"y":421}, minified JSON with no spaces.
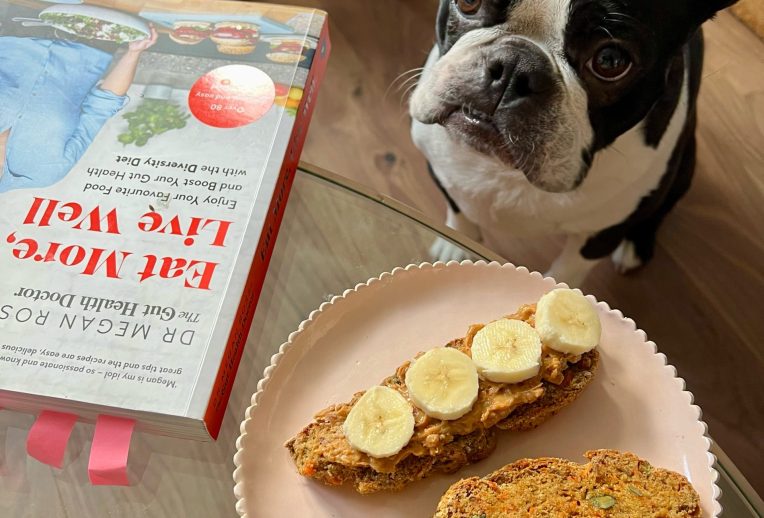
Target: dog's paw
{"x":625,"y":258}
{"x":445,"y":251}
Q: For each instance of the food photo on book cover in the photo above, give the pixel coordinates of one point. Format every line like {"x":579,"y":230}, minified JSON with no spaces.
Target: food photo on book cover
{"x":90,"y":80}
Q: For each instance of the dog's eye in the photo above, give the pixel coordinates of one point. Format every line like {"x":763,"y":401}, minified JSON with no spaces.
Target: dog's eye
{"x":611,"y":63}
{"x":468,"y":6}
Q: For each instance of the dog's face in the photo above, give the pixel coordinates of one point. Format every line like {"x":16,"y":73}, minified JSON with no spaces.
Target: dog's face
{"x":541,"y":85}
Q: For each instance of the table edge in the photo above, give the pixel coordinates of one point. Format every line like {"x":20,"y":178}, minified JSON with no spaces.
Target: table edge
{"x":403,"y":209}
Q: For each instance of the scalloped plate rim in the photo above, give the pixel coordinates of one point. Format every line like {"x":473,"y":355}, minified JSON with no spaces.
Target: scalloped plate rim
{"x":268,"y":371}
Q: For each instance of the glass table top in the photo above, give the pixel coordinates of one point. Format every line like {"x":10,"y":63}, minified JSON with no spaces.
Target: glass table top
{"x":334,"y":235}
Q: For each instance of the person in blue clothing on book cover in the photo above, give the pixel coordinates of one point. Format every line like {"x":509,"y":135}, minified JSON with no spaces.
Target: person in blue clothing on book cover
{"x":55,"y":96}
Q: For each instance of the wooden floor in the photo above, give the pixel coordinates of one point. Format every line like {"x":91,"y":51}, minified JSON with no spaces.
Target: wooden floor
{"x":701,"y":300}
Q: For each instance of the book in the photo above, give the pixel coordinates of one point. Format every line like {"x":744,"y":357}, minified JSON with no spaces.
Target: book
{"x":147,"y":149}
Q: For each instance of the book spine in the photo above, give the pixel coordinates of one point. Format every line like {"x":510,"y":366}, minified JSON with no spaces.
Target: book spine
{"x":221,"y":390}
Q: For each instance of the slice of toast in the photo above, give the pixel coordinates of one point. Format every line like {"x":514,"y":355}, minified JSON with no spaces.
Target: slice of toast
{"x":320,"y":450}
{"x":466,"y":449}
{"x":613,"y":484}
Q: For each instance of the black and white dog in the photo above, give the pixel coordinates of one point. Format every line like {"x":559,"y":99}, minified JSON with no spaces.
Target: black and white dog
{"x":572,"y":117}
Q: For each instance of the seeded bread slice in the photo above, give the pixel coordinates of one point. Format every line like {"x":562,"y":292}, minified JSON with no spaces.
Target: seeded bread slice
{"x":464,"y":450}
{"x":308,"y":447}
{"x":613,"y":484}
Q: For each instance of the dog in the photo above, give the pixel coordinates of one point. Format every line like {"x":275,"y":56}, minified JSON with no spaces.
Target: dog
{"x":572,"y":117}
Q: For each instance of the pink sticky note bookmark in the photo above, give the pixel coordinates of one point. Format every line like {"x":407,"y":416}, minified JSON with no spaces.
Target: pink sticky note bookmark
{"x":108,"y":454}
{"x":49,"y":435}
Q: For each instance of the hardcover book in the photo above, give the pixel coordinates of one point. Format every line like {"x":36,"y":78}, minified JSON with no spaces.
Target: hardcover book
{"x":147,"y":149}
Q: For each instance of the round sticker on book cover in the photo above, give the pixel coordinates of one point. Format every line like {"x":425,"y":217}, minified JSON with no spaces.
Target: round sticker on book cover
{"x":232,"y":96}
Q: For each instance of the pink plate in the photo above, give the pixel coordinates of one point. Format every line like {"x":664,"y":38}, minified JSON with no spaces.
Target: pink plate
{"x":635,"y":403}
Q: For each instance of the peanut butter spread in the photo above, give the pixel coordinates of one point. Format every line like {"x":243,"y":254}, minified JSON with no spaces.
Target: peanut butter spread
{"x":495,"y":402}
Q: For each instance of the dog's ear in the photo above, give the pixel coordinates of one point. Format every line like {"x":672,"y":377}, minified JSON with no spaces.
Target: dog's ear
{"x":718,"y":5}
{"x":707,"y":9}
{"x":441,"y":25}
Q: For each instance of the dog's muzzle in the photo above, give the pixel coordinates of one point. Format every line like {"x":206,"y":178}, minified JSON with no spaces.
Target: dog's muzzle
{"x":507,"y":98}
{"x":505,"y":92}
{"x":515,"y":75}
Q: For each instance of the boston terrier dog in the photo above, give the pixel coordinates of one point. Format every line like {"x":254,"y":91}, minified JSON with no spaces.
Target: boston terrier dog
{"x":572,"y":117}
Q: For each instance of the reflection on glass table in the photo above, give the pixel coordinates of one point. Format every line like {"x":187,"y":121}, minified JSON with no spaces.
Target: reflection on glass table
{"x":334,"y":236}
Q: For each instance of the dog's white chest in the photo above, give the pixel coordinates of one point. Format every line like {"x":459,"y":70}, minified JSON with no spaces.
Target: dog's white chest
{"x":502,"y":200}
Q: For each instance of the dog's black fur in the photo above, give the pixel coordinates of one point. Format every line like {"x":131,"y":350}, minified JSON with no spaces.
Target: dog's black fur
{"x":642,"y":226}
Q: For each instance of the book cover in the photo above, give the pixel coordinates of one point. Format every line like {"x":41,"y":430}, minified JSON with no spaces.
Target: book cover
{"x":146,"y":154}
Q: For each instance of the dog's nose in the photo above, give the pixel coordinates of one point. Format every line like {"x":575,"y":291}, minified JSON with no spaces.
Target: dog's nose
{"x":515,"y":72}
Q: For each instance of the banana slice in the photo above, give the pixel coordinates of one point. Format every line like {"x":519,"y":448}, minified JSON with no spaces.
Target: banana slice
{"x":380,"y":423}
{"x":507,"y":351}
{"x":567,"y":322}
{"x":444,"y":383}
